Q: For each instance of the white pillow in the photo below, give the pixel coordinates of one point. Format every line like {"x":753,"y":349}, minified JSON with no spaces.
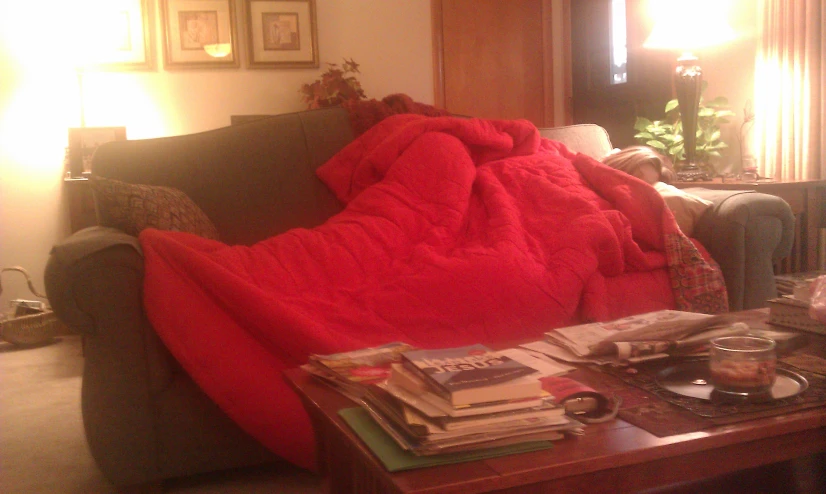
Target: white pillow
{"x":687,"y":208}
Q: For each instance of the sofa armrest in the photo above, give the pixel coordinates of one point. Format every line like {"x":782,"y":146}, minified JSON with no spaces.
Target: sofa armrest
{"x":80,"y":270}
{"x":745,"y":231}
{"x":144,"y":419}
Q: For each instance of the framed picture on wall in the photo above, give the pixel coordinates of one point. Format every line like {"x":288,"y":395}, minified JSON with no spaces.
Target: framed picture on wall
{"x":123,"y":35}
{"x":281,"y":34}
{"x":199,"y":34}
{"x":83,"y":141}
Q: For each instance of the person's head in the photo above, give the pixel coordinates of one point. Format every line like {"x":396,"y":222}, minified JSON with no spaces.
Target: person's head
{"x":642,"y":162}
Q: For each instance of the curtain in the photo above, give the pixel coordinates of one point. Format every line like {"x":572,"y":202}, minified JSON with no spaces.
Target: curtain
{"x":790,"y":74}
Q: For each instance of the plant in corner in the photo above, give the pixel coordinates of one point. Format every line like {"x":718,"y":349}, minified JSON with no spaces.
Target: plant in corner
{"x":666,"y":136}
{"x":335,"y":86}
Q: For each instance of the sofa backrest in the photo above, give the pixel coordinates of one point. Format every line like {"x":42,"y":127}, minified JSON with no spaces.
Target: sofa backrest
{"x":590,"y":139}
{"x":253,"y":180}
{"x":256,"y":179}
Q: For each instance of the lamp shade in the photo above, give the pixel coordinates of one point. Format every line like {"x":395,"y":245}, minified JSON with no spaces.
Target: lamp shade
{"x":218,"y":50}
{"x":688,"y":25}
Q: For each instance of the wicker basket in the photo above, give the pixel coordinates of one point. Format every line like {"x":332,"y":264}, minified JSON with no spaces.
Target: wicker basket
{"x":24,"y":327}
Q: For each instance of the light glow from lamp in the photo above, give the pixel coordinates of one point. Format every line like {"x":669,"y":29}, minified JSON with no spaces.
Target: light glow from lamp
{"x":689,"y":25}
{"x":218,"y":50}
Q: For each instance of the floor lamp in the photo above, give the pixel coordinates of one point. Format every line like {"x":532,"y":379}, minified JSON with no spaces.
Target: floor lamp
{"x":685,"y":26}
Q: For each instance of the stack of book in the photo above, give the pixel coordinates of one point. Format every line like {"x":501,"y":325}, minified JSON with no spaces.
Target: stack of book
{"x":792,"y":311}
{"x":462,"y":399}
{"x":788,"y":284}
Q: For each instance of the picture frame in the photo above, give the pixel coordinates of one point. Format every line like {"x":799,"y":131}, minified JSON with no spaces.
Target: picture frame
{"x":83,"y":141}
{"x":281,"y":34}
{"x":199,"y":34}
{"x":126,"y":35}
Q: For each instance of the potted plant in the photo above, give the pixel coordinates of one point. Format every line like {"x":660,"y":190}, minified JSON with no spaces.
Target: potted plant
{"x":335,"y":86}
{"x":666,"y":136}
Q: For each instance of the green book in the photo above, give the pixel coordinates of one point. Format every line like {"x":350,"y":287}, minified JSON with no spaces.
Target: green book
{"x":395,"y":459}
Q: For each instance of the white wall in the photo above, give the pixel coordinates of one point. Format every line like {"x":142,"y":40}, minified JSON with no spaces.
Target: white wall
{"x":39,"y":101}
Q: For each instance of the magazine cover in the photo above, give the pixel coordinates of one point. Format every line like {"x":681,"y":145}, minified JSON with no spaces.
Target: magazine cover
{"x":473,"y":366}
{"x":363,"y":366}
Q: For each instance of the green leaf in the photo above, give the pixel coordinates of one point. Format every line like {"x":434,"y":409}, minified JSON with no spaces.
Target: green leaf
{"x":718,"y":101}
{"x":642,"y":123}
{"x":714,"y":135}
{"x":671,"y":105}
{"x":705,"y":112}
{"x":644,"y":136}
{"x":656,"y":145}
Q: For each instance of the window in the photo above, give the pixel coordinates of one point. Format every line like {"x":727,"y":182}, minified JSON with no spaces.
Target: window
{"x":619,"y":49}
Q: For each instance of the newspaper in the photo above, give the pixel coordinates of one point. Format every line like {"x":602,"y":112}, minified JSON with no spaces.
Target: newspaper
{"x":644,"y":336}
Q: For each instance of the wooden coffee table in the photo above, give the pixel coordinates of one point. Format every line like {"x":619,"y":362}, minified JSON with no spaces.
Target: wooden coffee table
{"x":610,"y":457}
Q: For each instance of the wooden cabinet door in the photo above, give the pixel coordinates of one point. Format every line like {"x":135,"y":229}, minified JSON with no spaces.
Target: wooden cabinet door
{"x":493,"y":58}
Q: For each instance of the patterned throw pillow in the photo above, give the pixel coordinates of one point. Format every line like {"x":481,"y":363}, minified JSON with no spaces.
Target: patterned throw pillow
{"x":133,"y":207}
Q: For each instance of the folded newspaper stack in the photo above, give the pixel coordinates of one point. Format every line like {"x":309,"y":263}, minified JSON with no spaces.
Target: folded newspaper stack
{"x":644,"y":337}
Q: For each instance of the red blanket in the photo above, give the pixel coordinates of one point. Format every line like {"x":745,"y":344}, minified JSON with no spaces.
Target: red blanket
{"x":456,"y":231}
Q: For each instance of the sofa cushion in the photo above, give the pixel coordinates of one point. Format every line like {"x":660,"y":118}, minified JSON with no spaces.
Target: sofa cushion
{"x":133,"y":207}
{"x":687,"y":208}
{"x":590,"y":139}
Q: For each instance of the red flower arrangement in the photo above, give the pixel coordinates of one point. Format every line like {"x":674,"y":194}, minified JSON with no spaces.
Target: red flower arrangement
{"x":334,"y":87}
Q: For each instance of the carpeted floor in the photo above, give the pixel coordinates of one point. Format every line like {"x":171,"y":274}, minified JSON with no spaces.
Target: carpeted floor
{"x":43,"y":449}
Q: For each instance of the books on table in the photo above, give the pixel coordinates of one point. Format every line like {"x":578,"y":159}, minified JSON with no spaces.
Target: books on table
{"x":796,"y":283}
{"x":421,"y":434}
{"x":351,"y":371}
{"x":792,"y":312}
{"x":468,"y":375}
{"x":409,"y":388}
{"x":424,"y":421}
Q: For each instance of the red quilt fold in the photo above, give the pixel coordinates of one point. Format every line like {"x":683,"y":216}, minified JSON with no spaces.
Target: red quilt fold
{"x":456,"y":231}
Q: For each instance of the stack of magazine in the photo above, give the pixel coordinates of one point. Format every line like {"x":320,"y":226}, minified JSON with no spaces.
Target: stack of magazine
{"x":447,"y":400}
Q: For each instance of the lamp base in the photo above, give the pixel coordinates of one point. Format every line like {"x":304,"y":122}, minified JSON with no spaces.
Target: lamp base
{"x":690,"y":172}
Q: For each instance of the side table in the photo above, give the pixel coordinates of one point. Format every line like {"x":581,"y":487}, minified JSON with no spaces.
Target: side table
{"x":805,"y":197}
{"x":81,"y":203}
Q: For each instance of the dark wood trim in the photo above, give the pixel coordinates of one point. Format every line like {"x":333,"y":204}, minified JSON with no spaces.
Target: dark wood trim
{"x":566,"y":50}
{"x":438,"y":53}
{"x":549,"y":91}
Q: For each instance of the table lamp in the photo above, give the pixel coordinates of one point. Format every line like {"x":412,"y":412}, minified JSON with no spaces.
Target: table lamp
{"x":218,"y":50}
{"x":688,"y":25}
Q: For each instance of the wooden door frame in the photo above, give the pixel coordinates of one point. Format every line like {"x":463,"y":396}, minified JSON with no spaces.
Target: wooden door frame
{"x":550,"y":116}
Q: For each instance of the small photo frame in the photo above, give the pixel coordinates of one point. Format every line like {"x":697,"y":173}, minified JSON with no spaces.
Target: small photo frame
{"x":83,"y":141}
{"x":281,"y":34}
{"x":199,"y":34}
{"x":126,"y":40}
